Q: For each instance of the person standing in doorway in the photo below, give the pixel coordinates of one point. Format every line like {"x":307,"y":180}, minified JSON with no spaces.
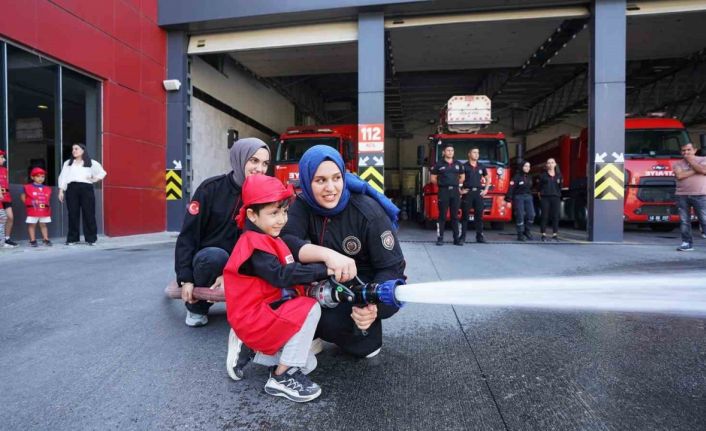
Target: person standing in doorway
{"x":76,"y":185}
{"x":691,"y":192}
{"x":447,"y":174}
{"x":6,"y":215}
{"x":550,"y":198}
{"x":472,"y":193}
{"x":520,"y":194}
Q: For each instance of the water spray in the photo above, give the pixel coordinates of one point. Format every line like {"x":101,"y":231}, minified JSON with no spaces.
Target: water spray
{"x":671,"y":294}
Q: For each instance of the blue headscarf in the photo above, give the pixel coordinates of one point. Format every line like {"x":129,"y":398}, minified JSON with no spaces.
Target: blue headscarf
{"x":308,"y":165}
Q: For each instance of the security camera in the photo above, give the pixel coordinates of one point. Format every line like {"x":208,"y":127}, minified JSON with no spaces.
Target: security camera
{"x":171,"y":84}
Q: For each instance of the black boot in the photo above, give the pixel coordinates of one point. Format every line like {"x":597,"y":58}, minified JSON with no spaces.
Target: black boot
{"x":520,"y":237}
{"x":439,"y":241}
{"x":528,"y":234}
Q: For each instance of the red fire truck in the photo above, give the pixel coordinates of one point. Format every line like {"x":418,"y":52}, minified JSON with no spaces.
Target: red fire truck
{"x":296,"y":140}
{"x":460,"y":122}
{"x":651,"y":144}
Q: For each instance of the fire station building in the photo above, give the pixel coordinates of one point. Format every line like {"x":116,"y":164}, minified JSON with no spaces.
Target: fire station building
{"x":158,"y":89}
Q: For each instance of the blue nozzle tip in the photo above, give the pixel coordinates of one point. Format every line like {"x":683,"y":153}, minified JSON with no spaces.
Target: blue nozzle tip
{"x":386,"y":292}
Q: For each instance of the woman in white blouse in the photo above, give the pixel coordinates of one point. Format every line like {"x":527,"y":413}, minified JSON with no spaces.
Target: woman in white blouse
{"x":76,"y":182}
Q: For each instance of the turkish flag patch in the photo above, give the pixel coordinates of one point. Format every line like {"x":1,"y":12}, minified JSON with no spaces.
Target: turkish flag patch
{"x":194,"y":207}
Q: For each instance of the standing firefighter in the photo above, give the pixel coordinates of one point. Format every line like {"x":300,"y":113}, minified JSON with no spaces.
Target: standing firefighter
{"x":447,"y":174}
{"x":472,"y":193}
{"x":520,"y":194}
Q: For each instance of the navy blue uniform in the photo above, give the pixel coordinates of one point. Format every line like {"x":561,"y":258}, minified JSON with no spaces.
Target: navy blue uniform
{"x":363,"y":232}
{"x":520,"y":194}
{"x":448,"y":175}
{"x":473,"y":199}
{"x":208,"y":235}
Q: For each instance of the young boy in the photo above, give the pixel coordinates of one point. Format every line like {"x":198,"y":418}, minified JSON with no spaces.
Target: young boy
{"x":37,"y":197}
{"x":6,"y":216}
{"x":264,"y":297}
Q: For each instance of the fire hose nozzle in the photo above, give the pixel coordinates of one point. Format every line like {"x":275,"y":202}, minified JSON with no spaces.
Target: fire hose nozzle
{"x":330,"y":293}
{"x":385,"y":292}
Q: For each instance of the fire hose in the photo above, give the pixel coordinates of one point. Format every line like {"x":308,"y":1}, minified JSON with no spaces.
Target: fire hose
{"x":328,"y":293}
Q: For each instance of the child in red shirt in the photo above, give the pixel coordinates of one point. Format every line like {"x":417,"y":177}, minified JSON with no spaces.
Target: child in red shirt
{"x":37,"y":197}
{"x":265,"y":300}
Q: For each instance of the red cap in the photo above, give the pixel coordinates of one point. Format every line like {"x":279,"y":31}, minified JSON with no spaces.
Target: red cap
{"x":261,"y":189}
{"x":37,"y":171}
{"x":2,"y":153}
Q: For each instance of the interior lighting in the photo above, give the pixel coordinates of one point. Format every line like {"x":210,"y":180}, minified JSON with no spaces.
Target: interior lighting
{"x":42,"y":107}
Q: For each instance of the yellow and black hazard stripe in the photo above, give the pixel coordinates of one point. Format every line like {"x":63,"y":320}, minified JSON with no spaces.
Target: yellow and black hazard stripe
{"x":609,"y":181}
{"x":173,"y":177}
{"x":374,"y":176}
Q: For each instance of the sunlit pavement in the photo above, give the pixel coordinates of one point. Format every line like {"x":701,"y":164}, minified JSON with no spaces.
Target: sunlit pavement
{"x":89,"y":342}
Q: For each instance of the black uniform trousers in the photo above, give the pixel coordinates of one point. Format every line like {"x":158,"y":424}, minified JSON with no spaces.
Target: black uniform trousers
{"x":337,"y":326}
{"x":208,"y":265}
{"x":81,"y":203}
{"x":449,"y":199}
{"x":474,"y":200}
{"x":524,"y":212}
{"x":550,"y":209}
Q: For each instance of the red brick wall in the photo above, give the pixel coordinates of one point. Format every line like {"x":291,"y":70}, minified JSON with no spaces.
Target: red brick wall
{"x":119,"y":41}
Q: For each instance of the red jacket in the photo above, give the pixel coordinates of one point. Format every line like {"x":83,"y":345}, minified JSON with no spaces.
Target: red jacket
{"x":37,"y":200}
{"x":5,"y":185}
{"x":248,"y":298}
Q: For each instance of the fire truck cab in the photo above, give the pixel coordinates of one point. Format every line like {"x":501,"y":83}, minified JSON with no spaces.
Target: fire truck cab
{"x":651,"y":145}
{"x":296,"y":140}
{"x":460,"y":122}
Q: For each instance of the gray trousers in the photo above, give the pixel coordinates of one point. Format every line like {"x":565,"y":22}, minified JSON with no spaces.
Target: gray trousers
{"x":297,"y":351}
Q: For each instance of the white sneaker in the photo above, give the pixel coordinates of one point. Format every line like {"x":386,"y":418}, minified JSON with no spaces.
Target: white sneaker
{"x":194,"y":319}
{"x":685,"y":246}
{"x":239,"y":355}
{"x":373,"y":354}
{"x":293,"y":385}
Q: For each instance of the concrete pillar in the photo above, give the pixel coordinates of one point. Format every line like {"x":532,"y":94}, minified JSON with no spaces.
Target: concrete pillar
{"x":177,"y":164}
{"x":371,"y":98}
{"x":606,"y":121}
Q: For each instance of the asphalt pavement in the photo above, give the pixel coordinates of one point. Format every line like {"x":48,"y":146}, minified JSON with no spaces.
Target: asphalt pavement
{"x":89,"y":342}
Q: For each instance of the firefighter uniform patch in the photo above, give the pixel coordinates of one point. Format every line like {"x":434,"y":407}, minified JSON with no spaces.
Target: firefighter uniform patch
{"x":194,"y":207}
{"x":388,"y":240}
{"x":351,"y":245}
{"x":289,"y":259}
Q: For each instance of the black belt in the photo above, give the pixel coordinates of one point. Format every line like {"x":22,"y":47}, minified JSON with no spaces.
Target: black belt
{"x":448,"y":187}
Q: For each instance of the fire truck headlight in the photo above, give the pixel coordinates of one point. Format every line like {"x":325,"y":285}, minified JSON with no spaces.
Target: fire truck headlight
{"x":501,"y":171}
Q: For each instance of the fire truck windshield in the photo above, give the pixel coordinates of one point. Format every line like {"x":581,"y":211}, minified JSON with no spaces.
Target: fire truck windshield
{"x":492,"y":151}
{"x":292,"y":149}
{"x":655,"y":142}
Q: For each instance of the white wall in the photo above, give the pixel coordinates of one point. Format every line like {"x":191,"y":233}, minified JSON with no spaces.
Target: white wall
{"x":210,"y":126}
{"x":209,"y":150}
